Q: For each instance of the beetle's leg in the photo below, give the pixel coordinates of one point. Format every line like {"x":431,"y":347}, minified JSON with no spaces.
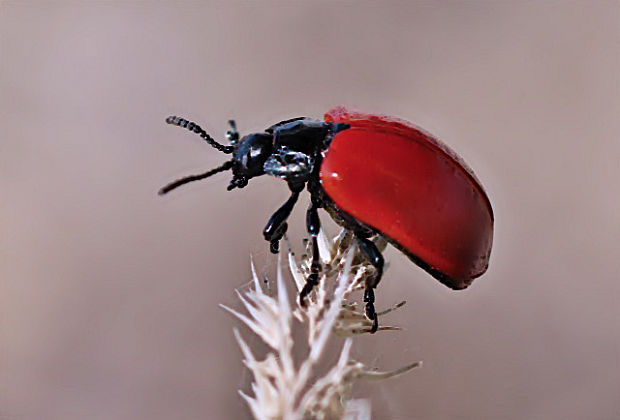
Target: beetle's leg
{"x":232,"y":135}
{"x":376,"y":259}
{"x":276,"y":226}
{"x":313,"y":224}
{"x":274,"y":244}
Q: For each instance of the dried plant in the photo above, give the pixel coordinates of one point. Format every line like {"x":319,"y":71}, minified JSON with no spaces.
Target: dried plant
{"x":284,"y":389}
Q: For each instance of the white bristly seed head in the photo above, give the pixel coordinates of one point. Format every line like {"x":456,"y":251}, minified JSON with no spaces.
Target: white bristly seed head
{"x":285,"y":389}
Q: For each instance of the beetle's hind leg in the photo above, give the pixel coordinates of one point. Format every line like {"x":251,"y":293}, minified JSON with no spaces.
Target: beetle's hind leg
{"x":370,"y":250}
{"x":313,"y":224}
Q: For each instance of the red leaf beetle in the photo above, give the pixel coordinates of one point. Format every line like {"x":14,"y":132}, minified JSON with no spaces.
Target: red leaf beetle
{"x":374,"y":175}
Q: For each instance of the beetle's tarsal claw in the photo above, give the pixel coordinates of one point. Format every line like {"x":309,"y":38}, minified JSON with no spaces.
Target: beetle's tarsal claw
{"x":371,"y":314}
{"x":375,"y":325}
{"x":370,"y":311}
{"x":237,"y":182}
{"x":274,"y":238}
{"x":313,"y":280}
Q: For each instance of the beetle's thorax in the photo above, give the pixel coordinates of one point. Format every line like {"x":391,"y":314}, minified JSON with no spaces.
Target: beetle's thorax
{"x":288,"y":150}
{"x":295,"y":145}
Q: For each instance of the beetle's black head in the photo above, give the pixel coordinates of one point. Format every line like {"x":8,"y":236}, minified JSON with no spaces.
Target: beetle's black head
{"x":249,"y":154}
{"x":249,"y":157}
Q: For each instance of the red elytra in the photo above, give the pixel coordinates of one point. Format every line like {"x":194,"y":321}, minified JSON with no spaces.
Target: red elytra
{"x":417,"y":192}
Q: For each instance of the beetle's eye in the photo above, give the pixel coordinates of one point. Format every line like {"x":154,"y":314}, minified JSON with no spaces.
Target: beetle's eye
{"x":252,"y":152}
{"x":255,"y":152}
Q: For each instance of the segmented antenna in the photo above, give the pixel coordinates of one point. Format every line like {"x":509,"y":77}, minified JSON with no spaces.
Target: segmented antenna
{"x":226,"y":166}
{"x":191,"y":126}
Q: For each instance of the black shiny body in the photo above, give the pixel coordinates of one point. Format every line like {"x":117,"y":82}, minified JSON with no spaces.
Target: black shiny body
{"x":291,"y":150}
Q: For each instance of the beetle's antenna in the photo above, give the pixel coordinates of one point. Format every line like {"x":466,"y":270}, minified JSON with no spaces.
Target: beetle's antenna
{"x":191,"y":126}
{"x":226,"y":166}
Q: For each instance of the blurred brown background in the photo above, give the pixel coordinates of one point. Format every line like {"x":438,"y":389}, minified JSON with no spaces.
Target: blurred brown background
{"x":109,"y":294}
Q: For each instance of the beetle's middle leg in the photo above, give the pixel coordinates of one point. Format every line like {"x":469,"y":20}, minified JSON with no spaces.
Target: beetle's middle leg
{"x":313,"y":224}
{"x":376,"y":259}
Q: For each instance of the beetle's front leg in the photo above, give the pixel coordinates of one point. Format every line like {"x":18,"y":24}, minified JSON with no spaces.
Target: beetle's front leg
{"x":232,"y":135}
{"x":313,"y":224}
{"x":276,"y":226}
{"x":376,"y":259}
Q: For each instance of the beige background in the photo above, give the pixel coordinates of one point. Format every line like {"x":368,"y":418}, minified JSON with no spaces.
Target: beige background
{"x":109,"y":293}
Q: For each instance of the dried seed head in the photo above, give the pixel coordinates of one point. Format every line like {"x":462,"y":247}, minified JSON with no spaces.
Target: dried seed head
{"x":287,"y":390}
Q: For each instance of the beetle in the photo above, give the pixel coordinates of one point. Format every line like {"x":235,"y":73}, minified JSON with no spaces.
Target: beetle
{"x":376,"y":176}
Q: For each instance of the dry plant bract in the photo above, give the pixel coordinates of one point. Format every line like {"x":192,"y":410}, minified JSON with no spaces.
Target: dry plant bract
{"x":288,"y":389}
